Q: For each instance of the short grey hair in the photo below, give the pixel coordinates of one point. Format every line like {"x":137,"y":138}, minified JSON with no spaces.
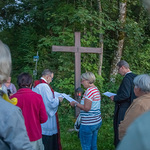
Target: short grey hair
{"x":143,"y":82}
{"x":122,"y":63}
{"x":88,"y":76}
{"x":5,"y":62}
{"x":47,"y":72}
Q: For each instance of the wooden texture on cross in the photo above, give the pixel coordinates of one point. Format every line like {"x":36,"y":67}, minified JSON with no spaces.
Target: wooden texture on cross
{"x":77,"y":49}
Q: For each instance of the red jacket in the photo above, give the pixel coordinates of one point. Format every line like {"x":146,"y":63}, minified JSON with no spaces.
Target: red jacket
{"x":33,"y":110}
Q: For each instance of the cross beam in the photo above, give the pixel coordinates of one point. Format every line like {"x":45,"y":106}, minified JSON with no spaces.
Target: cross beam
{"x":77,"y":49}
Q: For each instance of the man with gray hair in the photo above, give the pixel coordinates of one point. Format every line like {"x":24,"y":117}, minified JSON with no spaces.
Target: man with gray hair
{"x":124,"y":97}
{"x":50,"y":129}
{"x":13,"y":134}
{"x":140,"y":139}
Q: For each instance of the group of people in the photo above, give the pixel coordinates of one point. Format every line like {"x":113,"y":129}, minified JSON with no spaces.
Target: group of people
{"x":34,"y":125}
{"x":131,"y":101}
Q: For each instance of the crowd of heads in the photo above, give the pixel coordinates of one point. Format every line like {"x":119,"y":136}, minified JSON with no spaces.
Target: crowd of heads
{"x":25,"y":79}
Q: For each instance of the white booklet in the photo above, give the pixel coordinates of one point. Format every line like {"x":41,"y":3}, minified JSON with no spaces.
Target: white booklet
{"x":109,"y":94}
{"x":67,"y":97}
{"x":63,"y":95}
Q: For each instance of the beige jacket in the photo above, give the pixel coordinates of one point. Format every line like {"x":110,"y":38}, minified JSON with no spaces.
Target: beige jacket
{"x":138,"y":107}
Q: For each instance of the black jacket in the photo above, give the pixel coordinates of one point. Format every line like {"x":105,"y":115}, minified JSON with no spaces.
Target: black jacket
{"x":123,"y":99}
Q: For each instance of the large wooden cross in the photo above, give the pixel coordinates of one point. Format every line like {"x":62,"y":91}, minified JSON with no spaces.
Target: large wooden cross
{"x":77,"y":49}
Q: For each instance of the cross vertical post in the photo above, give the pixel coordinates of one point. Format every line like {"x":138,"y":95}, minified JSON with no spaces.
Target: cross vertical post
{"x":77,"y":49}
{"x":77,"y":60}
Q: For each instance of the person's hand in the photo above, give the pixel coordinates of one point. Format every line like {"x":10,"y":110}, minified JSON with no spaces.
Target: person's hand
{"x":60,"y":99}
{"x":73,"y":103}
{"x":112,"y":98}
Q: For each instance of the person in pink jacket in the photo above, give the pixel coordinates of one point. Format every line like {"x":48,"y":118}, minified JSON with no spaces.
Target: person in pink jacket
{"x":33,"y":109}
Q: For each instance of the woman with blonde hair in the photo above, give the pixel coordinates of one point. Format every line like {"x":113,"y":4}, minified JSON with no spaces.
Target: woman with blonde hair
{"x":90,"y":112}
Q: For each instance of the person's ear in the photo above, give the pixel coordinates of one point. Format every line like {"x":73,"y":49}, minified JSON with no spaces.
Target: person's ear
{"x":46,"y":77}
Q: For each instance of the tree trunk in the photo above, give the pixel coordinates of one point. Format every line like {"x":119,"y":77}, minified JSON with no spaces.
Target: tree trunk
{"x":121,"y":37}
{"x":100,"y":40}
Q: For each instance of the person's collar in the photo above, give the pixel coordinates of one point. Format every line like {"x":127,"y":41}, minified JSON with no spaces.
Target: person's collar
{"x":43,"y":79}
{"x":128,"y":72}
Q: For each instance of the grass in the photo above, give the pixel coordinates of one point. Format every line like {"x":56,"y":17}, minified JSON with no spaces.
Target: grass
{"x":70,"y":140}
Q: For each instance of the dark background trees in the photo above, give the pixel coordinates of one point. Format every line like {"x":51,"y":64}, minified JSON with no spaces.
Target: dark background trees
{"x":28,"y":26}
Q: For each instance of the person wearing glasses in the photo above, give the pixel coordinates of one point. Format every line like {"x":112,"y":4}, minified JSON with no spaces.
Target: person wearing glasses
{"x":134,"y":129}
{"x":90,"y":112}
{"x":50,"y":129}
{"x":125,"y":96}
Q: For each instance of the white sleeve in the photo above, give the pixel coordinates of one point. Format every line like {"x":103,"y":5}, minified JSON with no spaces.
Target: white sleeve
{"x":51,"y":103}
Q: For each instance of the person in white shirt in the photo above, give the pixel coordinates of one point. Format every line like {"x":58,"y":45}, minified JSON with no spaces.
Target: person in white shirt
{"x":50,"y":129}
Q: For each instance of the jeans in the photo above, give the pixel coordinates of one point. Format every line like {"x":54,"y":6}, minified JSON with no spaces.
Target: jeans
{"x":88,"y":136}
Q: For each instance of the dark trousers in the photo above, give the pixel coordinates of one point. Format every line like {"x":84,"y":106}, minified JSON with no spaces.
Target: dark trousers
{"x":116,"y":138}
{"x":118,"y":117}
{"x":50,"y":142}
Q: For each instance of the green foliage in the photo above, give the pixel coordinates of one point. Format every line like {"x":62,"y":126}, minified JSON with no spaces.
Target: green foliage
{"x":37,"y":25}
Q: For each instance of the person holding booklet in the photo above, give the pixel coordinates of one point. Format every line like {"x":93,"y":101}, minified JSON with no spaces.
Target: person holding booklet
{"x":124,"y":97}
{"x":90,"y":112}
{"x":50,"y":129}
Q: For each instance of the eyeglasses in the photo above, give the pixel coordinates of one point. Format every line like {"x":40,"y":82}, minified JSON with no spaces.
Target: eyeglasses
{"x":50,"y":77}
{"x":83,"y":80}
{"x":119,"y":68}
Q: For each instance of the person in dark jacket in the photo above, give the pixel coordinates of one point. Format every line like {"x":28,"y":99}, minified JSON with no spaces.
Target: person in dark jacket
{"x":125,"y":96}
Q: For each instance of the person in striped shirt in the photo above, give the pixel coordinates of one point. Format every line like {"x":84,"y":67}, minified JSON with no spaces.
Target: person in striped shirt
{"x":90,"y":112}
